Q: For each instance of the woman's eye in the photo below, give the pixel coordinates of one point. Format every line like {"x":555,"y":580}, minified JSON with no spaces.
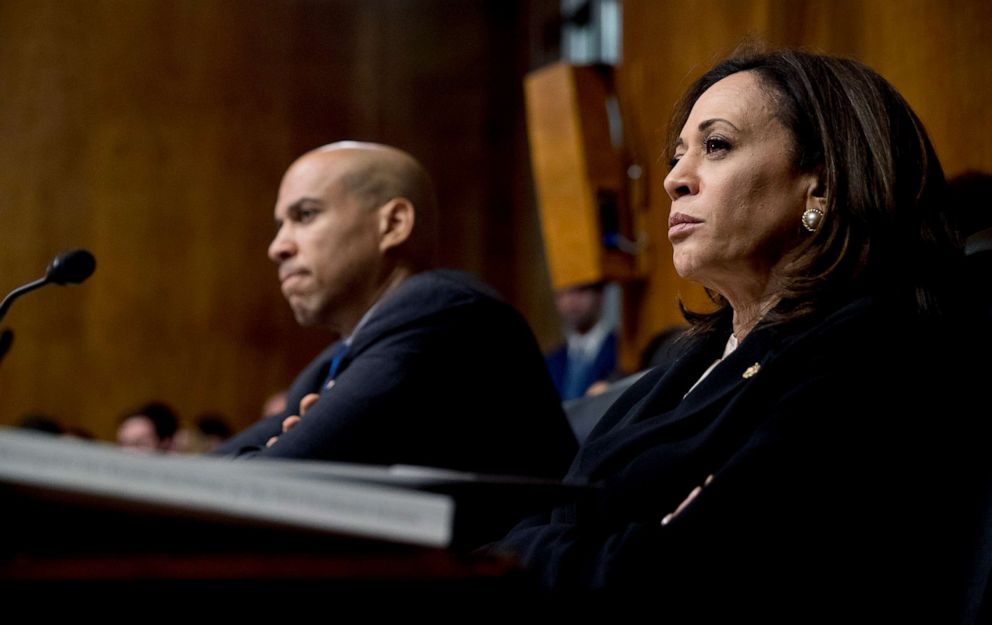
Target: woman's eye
{"x":672,"y":163}
{"x":716,"y":144}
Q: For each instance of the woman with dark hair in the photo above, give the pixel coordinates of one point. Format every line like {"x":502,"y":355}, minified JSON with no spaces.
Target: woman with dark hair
{"x":799,"y":459}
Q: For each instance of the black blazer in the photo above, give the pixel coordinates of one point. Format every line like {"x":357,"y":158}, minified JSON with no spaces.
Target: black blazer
{"x":848,"y":464}
{"x":442,"y":374}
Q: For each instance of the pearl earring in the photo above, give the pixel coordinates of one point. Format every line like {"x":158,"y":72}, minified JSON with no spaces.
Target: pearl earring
{"x":812,"y":218}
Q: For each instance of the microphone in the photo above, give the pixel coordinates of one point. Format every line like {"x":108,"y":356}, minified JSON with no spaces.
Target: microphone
{"x":70,"y":267}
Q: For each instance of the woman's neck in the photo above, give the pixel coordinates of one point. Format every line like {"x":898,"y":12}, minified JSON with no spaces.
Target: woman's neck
{"x":748,"y":314}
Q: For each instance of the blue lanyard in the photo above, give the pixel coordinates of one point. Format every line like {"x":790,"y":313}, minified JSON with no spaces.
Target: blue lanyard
{"x":339,"y":352}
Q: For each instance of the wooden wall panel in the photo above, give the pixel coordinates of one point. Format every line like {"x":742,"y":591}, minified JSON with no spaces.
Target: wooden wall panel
{"x":155,"y":132}
{"x":935,"y":53}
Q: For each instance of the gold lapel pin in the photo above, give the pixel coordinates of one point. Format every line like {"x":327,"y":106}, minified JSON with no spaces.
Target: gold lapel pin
{"x":750,"y":371}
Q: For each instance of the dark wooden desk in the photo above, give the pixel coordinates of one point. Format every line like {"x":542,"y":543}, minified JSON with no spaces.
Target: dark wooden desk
{"x":68,"y":551}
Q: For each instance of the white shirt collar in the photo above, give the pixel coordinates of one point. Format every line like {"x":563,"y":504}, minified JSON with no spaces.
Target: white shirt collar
{"x":586,"y":346}
{"x":731,"y":346}
{"x":727,"y":350}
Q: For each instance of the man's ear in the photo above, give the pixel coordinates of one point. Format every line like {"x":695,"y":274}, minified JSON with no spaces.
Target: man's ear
{"x":396,"y":219}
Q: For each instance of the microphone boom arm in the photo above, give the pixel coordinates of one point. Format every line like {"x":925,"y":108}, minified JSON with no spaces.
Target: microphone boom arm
{"x":19,"y":291}
{"x":70,"y":267}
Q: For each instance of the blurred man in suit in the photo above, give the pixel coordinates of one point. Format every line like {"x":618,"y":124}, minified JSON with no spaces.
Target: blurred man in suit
{"x":589,"y":353}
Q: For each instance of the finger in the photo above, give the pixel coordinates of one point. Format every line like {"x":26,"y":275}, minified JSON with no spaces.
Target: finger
{"x":692,"y":495}
{"x":271,"y":441}
{"x":289,"y":422}
{"x":597,"y":388}
{"x":308,"y":400}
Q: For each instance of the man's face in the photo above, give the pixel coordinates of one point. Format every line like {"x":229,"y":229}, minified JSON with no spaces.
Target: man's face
{"x":579,"y":307}
{"x":327,"y":246}
{"x":138,"y":432}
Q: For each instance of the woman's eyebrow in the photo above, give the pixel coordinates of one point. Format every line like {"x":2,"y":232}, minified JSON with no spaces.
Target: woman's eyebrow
{"x":703,"y":125}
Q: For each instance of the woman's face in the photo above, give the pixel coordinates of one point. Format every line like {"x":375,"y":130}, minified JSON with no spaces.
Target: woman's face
{"x":737,"y":199}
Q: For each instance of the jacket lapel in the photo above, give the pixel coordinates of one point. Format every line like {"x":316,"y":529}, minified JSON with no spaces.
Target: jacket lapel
{"x":311,"y":378}
{"x":665,"y":413}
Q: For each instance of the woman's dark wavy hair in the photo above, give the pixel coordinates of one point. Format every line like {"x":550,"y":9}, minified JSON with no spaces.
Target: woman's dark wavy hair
{"x":885,"y":224}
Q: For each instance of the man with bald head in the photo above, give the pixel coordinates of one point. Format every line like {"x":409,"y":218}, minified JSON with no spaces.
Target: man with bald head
{"x":431,"y":368}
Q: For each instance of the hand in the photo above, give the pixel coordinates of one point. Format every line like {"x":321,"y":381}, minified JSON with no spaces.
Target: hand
{"x":290,"y":421}
{"x":692,"y":495}
{"x":597,"y":388}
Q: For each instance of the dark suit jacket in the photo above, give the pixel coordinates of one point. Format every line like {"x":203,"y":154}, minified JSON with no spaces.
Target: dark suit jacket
{"x":442,"y":374}
{"x":603,"y":366}
{"x":979,"y":266}
{"x":835,"y":448}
